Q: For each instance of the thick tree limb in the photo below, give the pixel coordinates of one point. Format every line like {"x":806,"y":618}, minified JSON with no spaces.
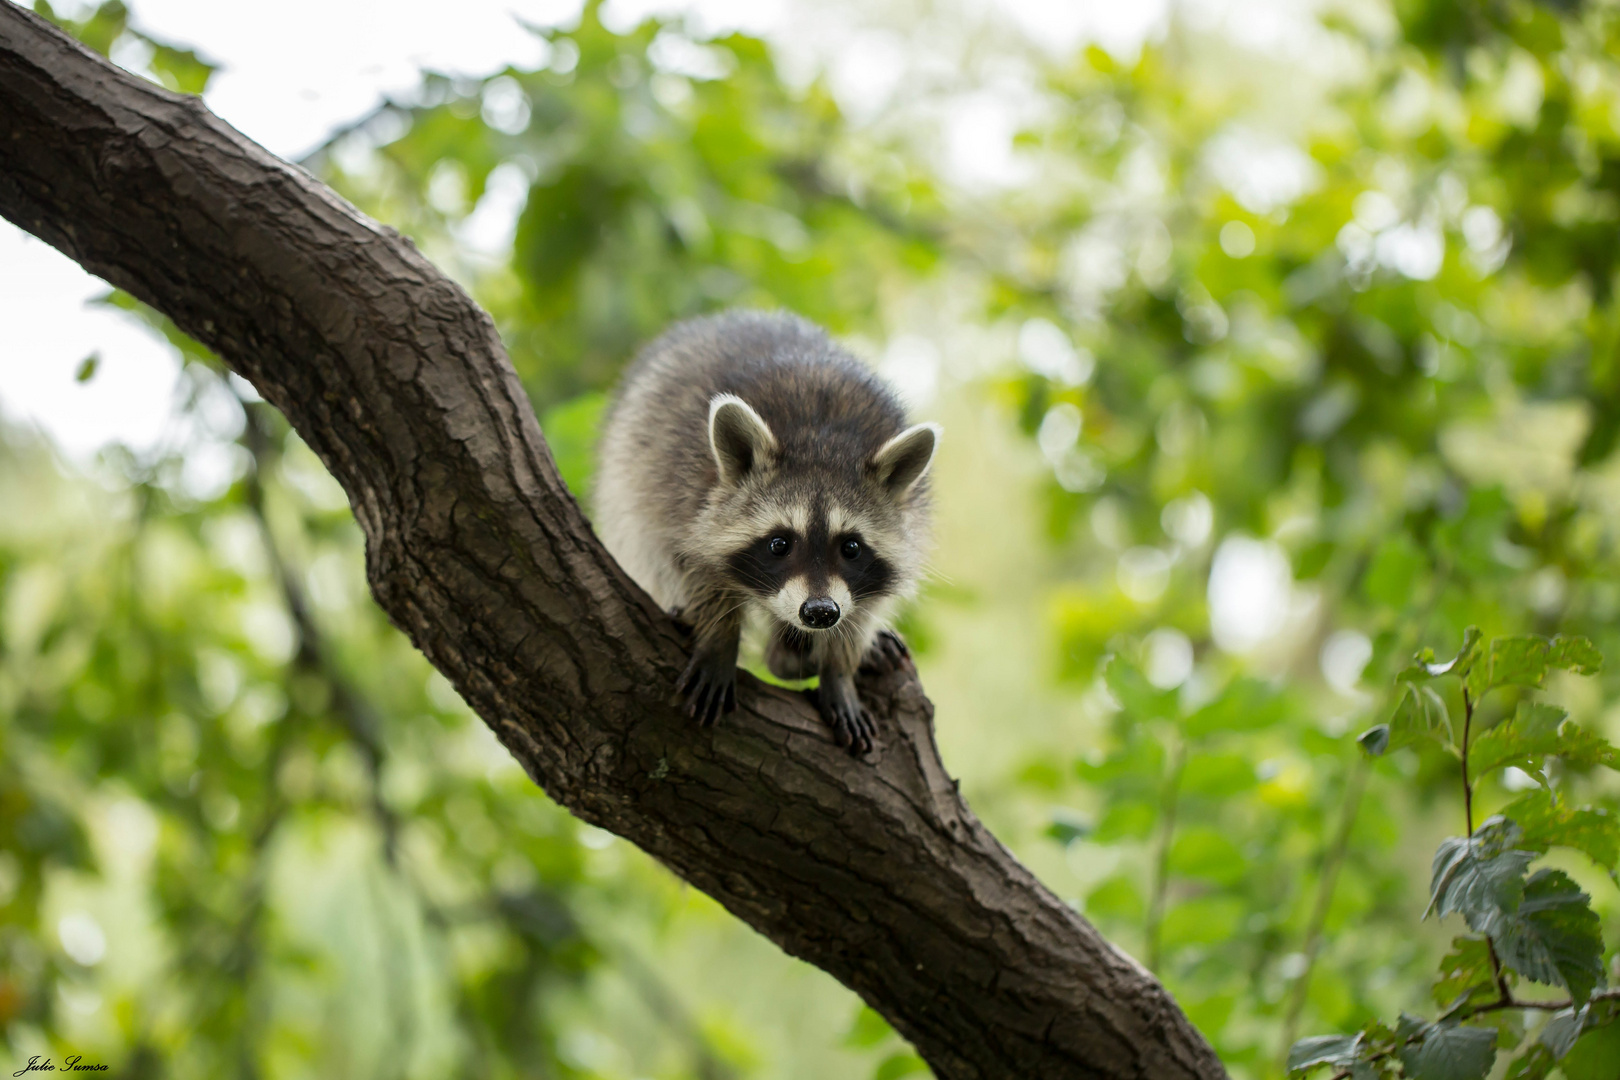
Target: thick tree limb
{"x":874,"y":870}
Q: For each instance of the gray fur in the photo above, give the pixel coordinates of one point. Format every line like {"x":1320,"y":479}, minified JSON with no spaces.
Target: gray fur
{"x":828,"y":452}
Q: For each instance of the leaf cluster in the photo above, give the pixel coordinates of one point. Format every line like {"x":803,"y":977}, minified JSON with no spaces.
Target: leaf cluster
{"x":1537,"y":925}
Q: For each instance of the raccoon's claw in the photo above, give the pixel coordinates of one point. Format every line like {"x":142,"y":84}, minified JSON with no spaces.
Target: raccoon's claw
{"x":854,"y":731}
{"x":709,"y":687}
{"x":841,"y":710}
{"x":886,"y":654}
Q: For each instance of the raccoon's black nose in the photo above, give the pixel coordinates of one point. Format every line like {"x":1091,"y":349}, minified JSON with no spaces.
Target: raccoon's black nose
{"x":819,"y":613}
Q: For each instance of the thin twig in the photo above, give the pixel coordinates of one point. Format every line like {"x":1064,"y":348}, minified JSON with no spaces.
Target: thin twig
{"x":1468,"y":784}
{"x":1468,"y":813}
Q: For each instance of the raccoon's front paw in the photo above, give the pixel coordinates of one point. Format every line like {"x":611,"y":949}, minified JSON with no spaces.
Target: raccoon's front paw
{"x":886,"y":654}
{"x":709,"y":686}
{"x":841,"y":709}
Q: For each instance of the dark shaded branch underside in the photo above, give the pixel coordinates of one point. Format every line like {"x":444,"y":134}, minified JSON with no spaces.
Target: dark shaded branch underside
{"x":874,"y":870}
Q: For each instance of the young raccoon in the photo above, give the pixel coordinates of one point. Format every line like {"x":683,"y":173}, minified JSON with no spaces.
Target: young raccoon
{"x":749,"y":466}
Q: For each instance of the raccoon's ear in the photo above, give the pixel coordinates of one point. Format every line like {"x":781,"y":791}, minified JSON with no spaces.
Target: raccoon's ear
{"x":902,"y":461}
{"x":741,"y":441}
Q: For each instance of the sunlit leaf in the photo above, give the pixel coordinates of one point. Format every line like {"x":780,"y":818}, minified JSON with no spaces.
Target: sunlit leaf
{"x":1546,"y":823}
{"x":1524,"y":661}
{"x":1522,"y":740}
{"x":1218,"y":776}
{"x":868,"y":1029}
{"x":1394,"y":571}
{"x":570,"y":430}
{"x":1245,"y":705}
{"x":1425,"y":666}
{"x":1116,"y":898}
{"x":1200,"y":851}
{"x":898,"y":1065}
{"x":181,"y":70}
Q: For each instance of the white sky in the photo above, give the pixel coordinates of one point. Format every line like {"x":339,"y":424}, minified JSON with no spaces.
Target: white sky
{"x":294,"y":71}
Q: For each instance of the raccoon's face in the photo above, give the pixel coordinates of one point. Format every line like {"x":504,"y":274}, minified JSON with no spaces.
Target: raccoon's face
{"x":817,"y":541}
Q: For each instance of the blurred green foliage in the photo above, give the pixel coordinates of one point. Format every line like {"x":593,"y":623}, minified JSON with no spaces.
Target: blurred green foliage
{"x":1268,"y":366}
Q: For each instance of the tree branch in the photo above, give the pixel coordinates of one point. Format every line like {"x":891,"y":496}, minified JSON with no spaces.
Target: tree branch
{"x":874,"y":870}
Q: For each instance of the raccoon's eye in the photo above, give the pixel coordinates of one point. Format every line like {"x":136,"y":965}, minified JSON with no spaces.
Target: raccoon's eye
{"x":851,"y":549}
{"x":779,"y":546}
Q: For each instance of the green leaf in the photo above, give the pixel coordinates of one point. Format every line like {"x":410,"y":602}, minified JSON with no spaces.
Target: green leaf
{"x":1425,"y":666}
{"x":1245,"y":705}
{"x":1465,"y":973}
{"x":1447,"y":1051}
{"x":1336,"y":1050}
{"x":1575,"y":654}
{"x":1532,"y":733}
{"x":1116,"y":898}
{"x":1554,"y":938}
{"x":87,"y":367}
{"x":181,"y":70}
{"x":1479,"y":877}
{"x":895,"y":1066}
{"x":1546,"y":823}
{"x":1594,"y":1054}
{"x":1126,"y":819}
{"x":1393,"y":572}
{"x":1563,"y":1029}
{"x":1523,"y":739}
{"x":102,"y":28}
{"x":1420,"y":715}
{"x":869,"y":1028}
{"x":1207,"y":853}
{"x":1375,"y":740}
{"x":1524,"y":661}
{"x":1203,"y":920}
{"x":1535,"y":1063}
{"x":1517,"y":661}
{"x":1218,"y":776}
{"x":570,"y":429}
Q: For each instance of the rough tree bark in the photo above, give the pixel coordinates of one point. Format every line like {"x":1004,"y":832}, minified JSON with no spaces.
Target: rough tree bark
{"x":874,"y":869}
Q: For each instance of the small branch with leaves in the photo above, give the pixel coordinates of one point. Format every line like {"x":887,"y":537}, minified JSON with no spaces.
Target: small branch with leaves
{"x":1533,"y":925}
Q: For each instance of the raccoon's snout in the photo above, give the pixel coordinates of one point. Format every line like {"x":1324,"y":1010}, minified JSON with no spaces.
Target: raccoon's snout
{"x":819,"y":612}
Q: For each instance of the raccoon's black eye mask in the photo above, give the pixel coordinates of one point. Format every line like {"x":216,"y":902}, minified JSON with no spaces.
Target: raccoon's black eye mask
{"x":770,"y":562}
{"x":863,"y":571}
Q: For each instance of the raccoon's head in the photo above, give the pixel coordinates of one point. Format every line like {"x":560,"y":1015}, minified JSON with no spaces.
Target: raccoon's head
{"x":818,"y":529}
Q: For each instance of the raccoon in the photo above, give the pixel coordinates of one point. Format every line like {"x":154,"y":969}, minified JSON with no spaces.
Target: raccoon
{"x":749,"y":468}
